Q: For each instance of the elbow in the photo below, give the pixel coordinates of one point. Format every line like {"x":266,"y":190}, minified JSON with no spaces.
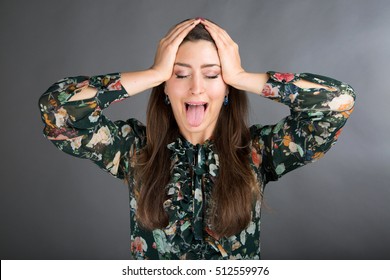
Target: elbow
{"x":43,"y":103}
{"x":47,"y":100}
{"x":344,"y":101}
{"x":46,"y":104}
{"x":350,"y":91}
{"x":51,"y":98}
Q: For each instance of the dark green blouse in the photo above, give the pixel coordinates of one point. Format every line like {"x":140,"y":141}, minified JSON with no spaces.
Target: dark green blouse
{"x":79,"y":128}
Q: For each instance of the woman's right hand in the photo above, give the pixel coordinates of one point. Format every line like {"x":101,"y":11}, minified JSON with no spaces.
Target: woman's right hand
{"x":162,"y":68}
{"x":168,"y":47}
{"x":161,"y":71}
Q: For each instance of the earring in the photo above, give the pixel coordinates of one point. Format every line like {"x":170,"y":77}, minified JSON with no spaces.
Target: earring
{"x":166,"y":100}
{"x":226,"y":100}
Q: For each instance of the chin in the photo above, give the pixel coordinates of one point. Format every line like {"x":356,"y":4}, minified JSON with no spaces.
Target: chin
{"x":196,"y":129}
{"x":203,"y":128}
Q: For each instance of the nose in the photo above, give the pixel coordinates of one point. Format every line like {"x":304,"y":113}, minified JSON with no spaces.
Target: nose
{"x":197,"y":86}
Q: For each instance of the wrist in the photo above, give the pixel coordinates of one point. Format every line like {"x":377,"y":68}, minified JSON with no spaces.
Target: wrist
{"x":250,"y":82}
{"x":136,"y":82}
{"x":155,"y":76}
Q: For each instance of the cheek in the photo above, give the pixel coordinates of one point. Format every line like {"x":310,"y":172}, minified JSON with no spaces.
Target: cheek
{"x":175,"y":86}
{"x":217,"y":91}
{"x":176,"y":93}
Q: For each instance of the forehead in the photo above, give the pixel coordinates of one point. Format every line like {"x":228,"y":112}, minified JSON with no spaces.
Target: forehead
{"x":197,"y":53}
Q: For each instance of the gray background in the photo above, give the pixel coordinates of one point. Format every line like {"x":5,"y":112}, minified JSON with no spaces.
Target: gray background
{"x":54,"y":206}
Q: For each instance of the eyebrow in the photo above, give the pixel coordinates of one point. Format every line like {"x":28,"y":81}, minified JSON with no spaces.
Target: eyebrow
{"x":202,"y":66}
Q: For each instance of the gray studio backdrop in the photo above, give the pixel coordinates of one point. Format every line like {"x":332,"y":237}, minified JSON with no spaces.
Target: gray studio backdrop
{"x":54,"y":206}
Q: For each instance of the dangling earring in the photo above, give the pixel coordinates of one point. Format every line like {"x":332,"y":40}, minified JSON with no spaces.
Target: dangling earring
{"x":166,"y":100}
{"x":226,"y":100}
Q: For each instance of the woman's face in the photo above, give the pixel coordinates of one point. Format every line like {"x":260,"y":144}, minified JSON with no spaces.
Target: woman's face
{"x":196,"y":90}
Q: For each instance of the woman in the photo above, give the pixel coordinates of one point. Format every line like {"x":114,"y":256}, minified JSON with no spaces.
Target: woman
{"x":196,"y":171}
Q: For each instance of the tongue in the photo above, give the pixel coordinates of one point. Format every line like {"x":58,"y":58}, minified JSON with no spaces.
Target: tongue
{"x":195,"y":114}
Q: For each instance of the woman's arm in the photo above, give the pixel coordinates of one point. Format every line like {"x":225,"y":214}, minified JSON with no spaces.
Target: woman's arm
{"x":79,"y":128}
{"x":254,"y":82}
{"x":132,"y":82}
{"x":317,"y":115}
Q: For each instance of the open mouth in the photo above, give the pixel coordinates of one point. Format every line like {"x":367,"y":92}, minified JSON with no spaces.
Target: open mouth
{"x":195,"y":112}
{"x":190,"y":104}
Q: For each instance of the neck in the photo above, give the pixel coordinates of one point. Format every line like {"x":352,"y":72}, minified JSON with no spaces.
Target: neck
{"x":197,"y":138}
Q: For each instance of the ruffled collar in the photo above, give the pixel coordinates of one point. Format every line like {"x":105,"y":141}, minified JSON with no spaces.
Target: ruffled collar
{"x":194,"y":168}
{"x":196,"y":155}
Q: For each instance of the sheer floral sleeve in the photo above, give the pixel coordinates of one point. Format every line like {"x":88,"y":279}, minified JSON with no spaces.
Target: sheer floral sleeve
{"x":79,"y":128}
{"x":313,"y":126}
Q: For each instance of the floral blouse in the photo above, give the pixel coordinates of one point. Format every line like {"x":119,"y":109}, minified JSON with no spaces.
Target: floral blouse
{"x":79,"y":128}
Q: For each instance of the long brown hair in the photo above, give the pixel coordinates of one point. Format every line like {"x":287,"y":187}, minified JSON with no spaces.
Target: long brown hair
{"x":235,"y":188}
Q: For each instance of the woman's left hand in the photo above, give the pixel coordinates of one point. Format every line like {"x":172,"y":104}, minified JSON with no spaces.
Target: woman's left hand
{"x":232,"y":72}
{"x":228,"y":53}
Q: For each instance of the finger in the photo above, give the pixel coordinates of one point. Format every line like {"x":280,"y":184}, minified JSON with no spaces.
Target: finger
{"x":218,"y":38}
{"x":215,"y":27}
{"x":173,"y":33}
{"x":181,"y":27}
{"x":219,"y":32}
{"x":183,"y":32}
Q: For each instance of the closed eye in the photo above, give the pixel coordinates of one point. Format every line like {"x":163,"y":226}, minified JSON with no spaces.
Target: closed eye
{"x":186,"y":76}
{"x":181,"y":76}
